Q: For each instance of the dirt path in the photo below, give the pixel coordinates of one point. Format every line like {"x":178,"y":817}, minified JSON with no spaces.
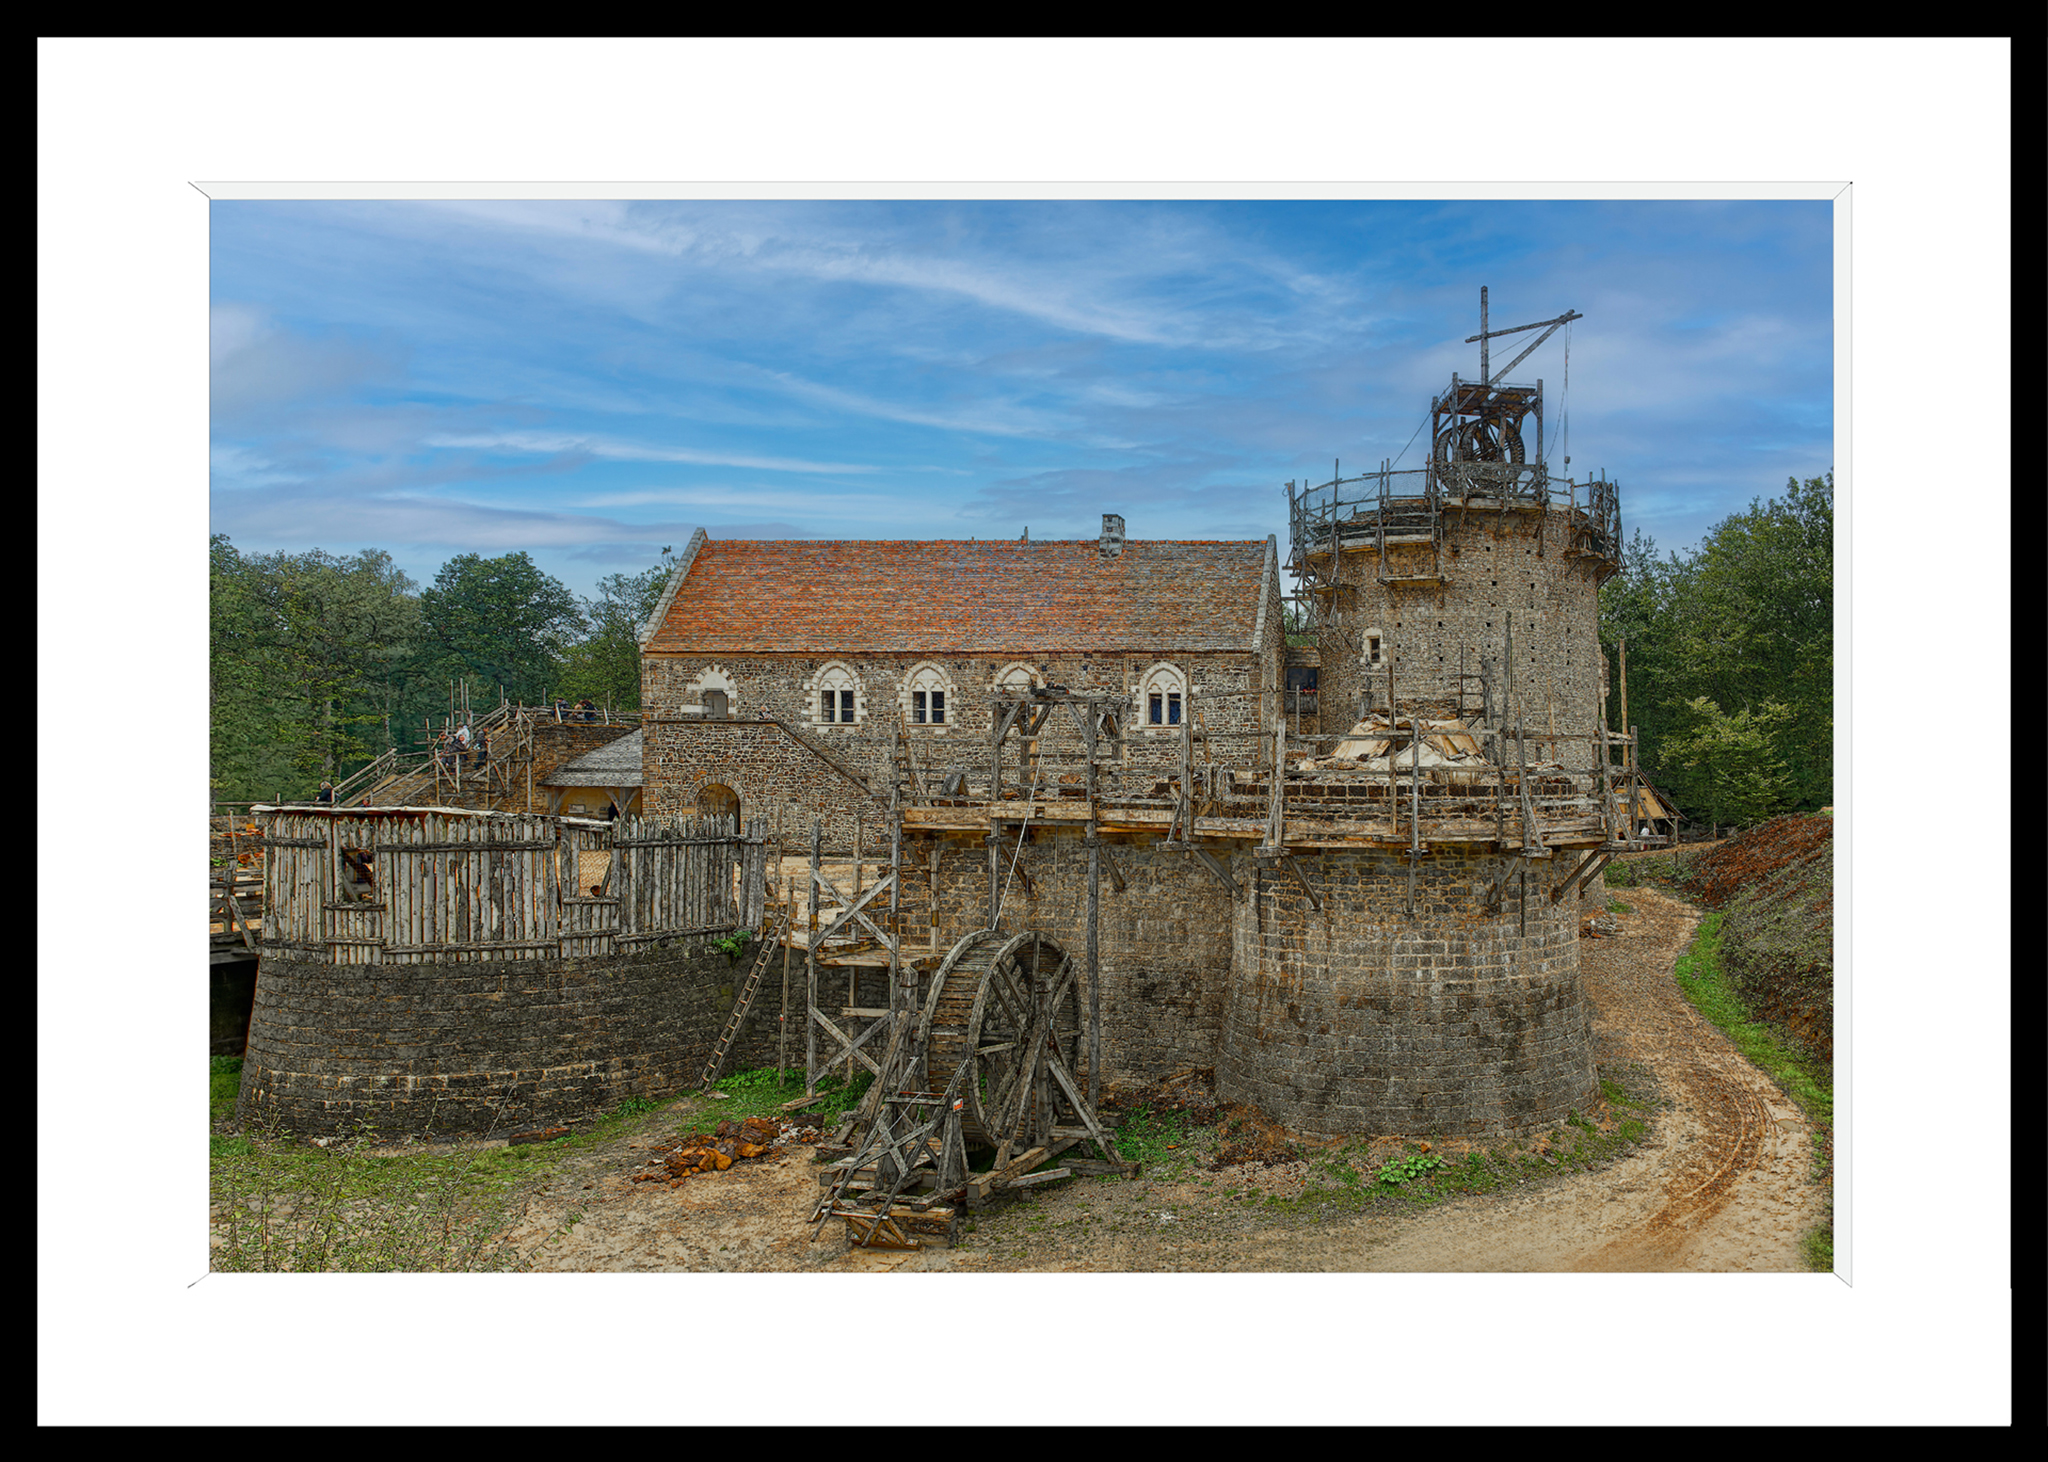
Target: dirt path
{"x":1720,"y":1185}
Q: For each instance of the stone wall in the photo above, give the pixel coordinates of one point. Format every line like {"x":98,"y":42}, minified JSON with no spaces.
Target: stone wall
{"x":494,"y":1045}
{"x":1164,"y":943}
{"x":774,"y":773}
{"x":1429,"y":632}
{"x":1365,"y":1018}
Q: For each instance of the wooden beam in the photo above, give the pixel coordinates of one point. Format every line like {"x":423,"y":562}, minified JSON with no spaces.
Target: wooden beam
{"x":1287,"y":862}
{"x":1222,"y":874}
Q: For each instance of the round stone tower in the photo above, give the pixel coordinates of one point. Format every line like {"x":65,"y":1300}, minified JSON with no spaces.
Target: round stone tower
{"x":1424,"y":977}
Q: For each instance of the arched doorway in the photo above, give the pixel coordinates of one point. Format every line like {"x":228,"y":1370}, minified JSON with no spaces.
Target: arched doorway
{"x":716,"y":800}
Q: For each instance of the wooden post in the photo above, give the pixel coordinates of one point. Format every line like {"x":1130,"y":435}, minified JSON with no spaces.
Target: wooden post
{"x":811,"y":977}
{"x":1094,"y":904}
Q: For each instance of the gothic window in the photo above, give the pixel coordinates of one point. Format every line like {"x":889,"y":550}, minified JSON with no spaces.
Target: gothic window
{"x":836,"y":697}
{"x":1017,"y":678}
{"x":928,"y":698}
{"x":1161,"y":695}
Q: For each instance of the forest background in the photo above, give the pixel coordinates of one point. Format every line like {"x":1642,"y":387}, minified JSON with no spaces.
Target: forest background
{"x":319,"y":664}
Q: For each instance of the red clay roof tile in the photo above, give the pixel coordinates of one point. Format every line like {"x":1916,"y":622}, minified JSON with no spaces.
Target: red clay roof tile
{"x":949,"y":597}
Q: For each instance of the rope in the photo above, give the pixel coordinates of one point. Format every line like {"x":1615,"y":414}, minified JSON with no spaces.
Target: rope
{"x":1004,"y":897}
{"x":1411,"y":440}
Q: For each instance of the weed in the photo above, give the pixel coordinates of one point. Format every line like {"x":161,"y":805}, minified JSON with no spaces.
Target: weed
{"x":733,"y":945}
{"x":1408,"y":1169}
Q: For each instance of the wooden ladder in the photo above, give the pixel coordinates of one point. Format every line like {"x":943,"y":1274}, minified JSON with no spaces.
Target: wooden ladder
{"x":769,"y":944}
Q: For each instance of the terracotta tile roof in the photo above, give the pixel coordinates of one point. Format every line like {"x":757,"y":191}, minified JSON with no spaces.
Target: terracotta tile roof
{"x":950,"y":597}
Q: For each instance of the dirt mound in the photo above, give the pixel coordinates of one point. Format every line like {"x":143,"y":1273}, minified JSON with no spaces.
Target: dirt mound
{"x":1188,"y":1093}
{"x":1248,"y":1137}
{"x":1722,"y":872}
{"x":1777,"y":937}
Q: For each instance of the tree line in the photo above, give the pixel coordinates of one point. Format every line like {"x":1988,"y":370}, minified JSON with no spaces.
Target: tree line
{"x":320,"y":663}
{"x":1731,"y":659}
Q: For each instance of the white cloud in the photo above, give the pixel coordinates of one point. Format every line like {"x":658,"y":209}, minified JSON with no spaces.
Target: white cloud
{"x":554,"y":443}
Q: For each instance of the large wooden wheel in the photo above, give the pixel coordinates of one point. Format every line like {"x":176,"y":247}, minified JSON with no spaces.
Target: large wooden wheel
{"x":1006,"y":1007}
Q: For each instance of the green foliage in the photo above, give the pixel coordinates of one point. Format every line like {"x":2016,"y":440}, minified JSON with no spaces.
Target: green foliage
{"x":1745,"y":622}
{"x":605,"y":664}
{"x":733,"y":945}
{"x":1732,"y":764}
{"x":224,"y":1085}
{"x":305,"y":660}
{"x":499,"y":624}
{"x":1152,"y":1138}
{"x":1408,"y":1169}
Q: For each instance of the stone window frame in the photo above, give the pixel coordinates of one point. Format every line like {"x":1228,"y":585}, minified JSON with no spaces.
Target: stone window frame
{"x":1170,"y":682}
{"x":923,"y":678}
{"x":711,"y":677}
{"x":1372,"y":646}
{"x":1005,"y":679}
{"x":837,"y":676}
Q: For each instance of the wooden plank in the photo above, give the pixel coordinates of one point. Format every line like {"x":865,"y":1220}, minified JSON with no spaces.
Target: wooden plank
{"x":1045,"y":1177}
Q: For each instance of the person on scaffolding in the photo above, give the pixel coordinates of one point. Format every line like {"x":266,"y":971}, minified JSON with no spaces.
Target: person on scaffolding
{"x":483,"y":749}
{"x":585,"y":710}
{"x":326,"y":793}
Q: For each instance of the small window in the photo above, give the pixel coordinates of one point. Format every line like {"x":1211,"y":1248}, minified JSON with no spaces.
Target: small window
{"x":924,"y":695}
{"x":839,"y":700}
{"x":1160,"y":695}
{"x":714,"y":704}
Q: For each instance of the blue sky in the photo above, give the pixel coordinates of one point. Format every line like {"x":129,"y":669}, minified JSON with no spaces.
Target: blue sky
{"x":589,"y":381}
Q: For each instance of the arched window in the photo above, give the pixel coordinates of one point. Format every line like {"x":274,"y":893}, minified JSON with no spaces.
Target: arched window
{"x":1017,"y":678}
{"x":836,"y":696}
{"x":928,"y":698}
{"x":1161,"y":695}
{"x":712,"y":693}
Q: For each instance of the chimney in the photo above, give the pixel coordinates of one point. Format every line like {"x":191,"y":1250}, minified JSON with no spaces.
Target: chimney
{"x":1112,"y":541}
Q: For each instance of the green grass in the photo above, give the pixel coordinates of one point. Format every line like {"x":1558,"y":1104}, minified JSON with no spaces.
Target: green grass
{"x":1809,"y":1084}
{"x":224,"y":1075}
{"x":1344,"y":1182}
{"x":1159,"y":1140}
{"x":286,"y":1204}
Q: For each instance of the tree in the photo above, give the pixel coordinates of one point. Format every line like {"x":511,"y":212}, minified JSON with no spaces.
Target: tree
{"x":605,"y":664}
{"x":305,"y":650}
{"x":1745,"y":621}
{"x":497,"y":624}
{"x":1734,"y":772}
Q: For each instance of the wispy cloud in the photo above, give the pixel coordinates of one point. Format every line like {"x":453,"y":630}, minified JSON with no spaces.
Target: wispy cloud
{"x":558,"y":443}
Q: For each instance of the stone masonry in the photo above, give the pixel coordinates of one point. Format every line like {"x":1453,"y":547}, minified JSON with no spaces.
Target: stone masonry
{"x":487,"y":1046}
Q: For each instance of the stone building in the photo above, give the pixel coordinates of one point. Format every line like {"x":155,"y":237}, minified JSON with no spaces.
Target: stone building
{"x":784,"y":676}
{"x":1360,"y":907}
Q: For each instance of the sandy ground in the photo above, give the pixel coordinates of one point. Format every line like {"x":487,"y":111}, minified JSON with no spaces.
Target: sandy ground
{"x":1721,"y":1184}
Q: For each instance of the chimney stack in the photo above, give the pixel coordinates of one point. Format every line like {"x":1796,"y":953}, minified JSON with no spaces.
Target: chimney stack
{"x":1112,"y":540}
